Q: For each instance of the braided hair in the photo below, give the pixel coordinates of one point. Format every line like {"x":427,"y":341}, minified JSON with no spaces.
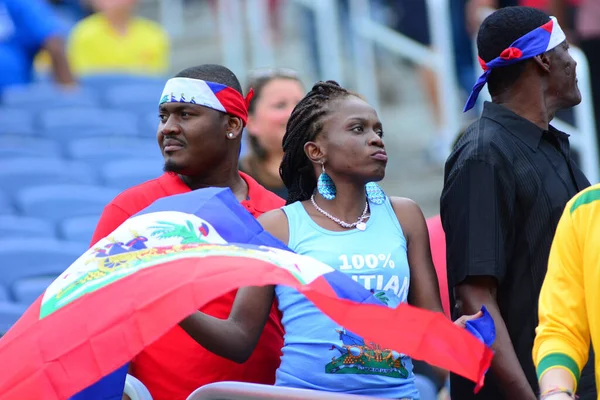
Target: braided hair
{"x":304,"y":125}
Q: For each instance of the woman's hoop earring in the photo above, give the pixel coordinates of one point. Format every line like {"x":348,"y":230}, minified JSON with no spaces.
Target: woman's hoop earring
{"x":325,"y":185}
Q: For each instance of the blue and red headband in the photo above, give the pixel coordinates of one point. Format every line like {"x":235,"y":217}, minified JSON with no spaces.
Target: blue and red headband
{"x":536,"y":42}
{"x":208,"y":94}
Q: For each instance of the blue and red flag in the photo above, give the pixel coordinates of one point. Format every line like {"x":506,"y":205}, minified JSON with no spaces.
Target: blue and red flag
{"x":169,"y":260}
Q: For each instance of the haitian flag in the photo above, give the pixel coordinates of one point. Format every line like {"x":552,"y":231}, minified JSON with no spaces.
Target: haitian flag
{"x":167,"y":261}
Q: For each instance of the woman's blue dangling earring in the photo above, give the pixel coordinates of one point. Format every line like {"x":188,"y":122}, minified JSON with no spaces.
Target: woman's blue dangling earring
{"x":325,"y":185}
{"x":375,"y":193}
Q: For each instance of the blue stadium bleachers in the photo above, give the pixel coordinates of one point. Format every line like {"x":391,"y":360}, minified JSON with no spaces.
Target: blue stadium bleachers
{"x":41,"y":95}
{"x":6,"y":206}
{"x":99,"y":150}
{"x":127,"y":173}
{"x":15,"y":145}
{"x":78,"y":229}
{"x":14,"y":226}
{"x":140,"y":97}
{"x":99,"y":82}
{"x":35,"y":258}
{"x":16,"y":121}
{"x":63,"y":156}
{"x":149,"y":124}
{"x":57,"y":202}
{"x":67,"y":123}
{"x":24,"y":172}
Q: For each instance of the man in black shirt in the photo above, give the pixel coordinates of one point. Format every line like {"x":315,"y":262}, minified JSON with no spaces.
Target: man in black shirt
{"x":506,"y":184}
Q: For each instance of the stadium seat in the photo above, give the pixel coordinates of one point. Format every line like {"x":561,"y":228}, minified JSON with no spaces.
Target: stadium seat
{"x":41,"y":95}
{"x":16,"y":121}
{"x":58,"y":202}
{"x":253,"y":391}
{"x":68,"y":123}
{"x":6,"y":207}
{"x":135,"y":389}
{"x":4,"y":294}
{"x":20,"y":173}
{"x":100,"y":82}
{"x":149,"y":124}
{"x":27,"y":290}
{"x":127,"y":173}
{"x":27,"y":146}
{"x":9,"y":314}
{"x":13,"y":227}
{"x":137,"y":97}
{"x":79,"y":229}
{"x":35,"y":258}
{"x":99,"y":150}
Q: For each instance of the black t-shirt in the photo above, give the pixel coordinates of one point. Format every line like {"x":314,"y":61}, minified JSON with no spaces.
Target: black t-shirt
{"x":505,"y":187}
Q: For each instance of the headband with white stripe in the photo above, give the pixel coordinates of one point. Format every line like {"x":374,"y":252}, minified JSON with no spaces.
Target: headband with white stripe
{"x":536,"y":42}
{"x":208,"y":94}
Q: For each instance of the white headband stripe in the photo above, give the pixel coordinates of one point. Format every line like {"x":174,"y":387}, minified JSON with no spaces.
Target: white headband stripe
{"x":557,"y":36}
{"x":188,"y":90}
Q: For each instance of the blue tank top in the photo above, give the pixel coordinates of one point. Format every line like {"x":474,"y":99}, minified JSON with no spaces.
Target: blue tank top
{"x":319,"y":354}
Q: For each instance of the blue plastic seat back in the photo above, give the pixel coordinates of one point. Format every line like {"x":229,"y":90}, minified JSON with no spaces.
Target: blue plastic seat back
{"x":28,"y":146}
{"x":27,"y":290}
{"x":20,"y":173}
{"x":17,"y":121}
{"x":79,"y":229}
{"x":30,"y":258}
{"x":100,"y":150}
{"x":68,"y":123}
{"x":58,"y":202}
{"x":14,"y":226}
{"x":40,"y":95}
{"x":138,"y":97}
{"x":6,"y":206}
{"x":149,"y":124}
{"x":124,"y":174}
{"x":100,"y":82}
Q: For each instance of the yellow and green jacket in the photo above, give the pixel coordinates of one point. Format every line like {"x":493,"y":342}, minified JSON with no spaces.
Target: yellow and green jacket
{"x":569,"y":304}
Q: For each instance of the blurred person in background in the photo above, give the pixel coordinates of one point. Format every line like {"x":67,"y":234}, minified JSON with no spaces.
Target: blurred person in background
{"x":276,"y":93}
{"x":26,"y":27}
{"x":115,"y":40}
{"x":201,"y":146}
{"x":506,"y":184}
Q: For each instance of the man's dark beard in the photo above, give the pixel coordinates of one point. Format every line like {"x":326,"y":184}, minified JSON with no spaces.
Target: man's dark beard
{"x":171,"y":166}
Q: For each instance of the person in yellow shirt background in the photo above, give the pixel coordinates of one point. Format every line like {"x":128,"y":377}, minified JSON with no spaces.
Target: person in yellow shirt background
{"x":569,"y":303}
{"x":115,"y":40}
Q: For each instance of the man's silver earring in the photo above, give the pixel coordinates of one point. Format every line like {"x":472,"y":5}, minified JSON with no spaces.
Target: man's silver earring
{"x":230,"y":135}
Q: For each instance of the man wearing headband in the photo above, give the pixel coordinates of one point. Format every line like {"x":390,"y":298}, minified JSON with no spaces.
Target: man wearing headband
{"x":202,"y":113}
{"x":506,"y":183}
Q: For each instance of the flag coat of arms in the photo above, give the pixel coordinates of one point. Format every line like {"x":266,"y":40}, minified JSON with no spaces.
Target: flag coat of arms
{"x":167,"y":261}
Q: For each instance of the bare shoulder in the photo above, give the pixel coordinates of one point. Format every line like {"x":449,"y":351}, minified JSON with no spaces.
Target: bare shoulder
{"x":405,"y":207}
{"x":409,"y":214}
{"x":275,"y":222}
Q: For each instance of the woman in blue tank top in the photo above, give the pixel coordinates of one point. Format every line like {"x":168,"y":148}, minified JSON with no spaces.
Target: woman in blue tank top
{"x":334,"y":152}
